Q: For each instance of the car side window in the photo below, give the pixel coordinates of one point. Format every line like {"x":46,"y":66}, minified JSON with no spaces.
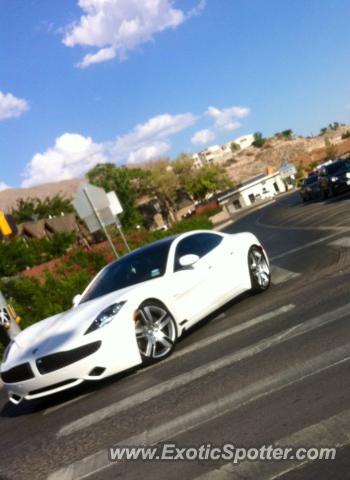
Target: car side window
{"x":198,"y":244}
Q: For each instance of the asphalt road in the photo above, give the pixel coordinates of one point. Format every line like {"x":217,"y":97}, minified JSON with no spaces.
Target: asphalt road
{"x":270,"y":368}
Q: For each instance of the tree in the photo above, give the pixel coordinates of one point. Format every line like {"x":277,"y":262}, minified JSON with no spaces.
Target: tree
{"x":259,"y":140}
{"x":186,"y":174}
{"x":235,"y":147}
{"x":287,"y":133}
{"x":331,"y":149}
{"x":120,"y":180}
{"x":164,"y":184}
{"x":27,"y":210}
{"x":209,"y":179}
{"x":346,"y":135}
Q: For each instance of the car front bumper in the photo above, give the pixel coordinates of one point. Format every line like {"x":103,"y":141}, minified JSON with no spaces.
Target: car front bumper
{"x":117,"y":352}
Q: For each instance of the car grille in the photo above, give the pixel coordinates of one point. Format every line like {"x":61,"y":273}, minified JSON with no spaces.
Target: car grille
{"x":17,"y":374}
{"x":55,"y":361}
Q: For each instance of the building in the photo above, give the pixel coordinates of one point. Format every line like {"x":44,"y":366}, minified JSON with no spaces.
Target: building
{"x":244,"y":142}
{"x":257,"y":189}
{"x":215,"y":154}
{"x":221,"y":153}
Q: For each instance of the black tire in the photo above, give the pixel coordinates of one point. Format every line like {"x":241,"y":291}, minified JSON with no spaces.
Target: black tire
{"x":156,"y":331}
{"x":259,"y":269}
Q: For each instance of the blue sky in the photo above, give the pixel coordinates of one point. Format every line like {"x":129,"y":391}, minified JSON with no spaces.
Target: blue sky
{"x":129,"y":80}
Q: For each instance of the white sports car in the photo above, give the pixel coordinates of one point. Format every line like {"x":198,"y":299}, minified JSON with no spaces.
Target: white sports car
{"x":133,"y":311}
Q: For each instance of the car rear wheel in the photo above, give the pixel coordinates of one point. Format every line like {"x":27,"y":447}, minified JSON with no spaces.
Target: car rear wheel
{"x":156,"y":331}
{"x":259,"y":270}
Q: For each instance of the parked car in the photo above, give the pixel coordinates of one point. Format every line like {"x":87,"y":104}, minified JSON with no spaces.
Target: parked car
{"x":310,"y":188}
{"x":134,"y":311}
{"x":335,"y":178}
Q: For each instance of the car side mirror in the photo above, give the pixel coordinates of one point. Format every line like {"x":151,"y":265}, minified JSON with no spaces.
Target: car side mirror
{"x":188,"y":260}
{"x":76,"y":299}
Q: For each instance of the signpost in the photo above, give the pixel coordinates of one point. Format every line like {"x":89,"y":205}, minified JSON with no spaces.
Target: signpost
{"x":116,"y":209}
{"x":287,"y":170}
{"x":99,"y":209}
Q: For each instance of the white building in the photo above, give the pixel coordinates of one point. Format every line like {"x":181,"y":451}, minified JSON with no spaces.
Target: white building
{"x":257,"y":189}
{"x":220,"y":153}
{"x":244,"y":142}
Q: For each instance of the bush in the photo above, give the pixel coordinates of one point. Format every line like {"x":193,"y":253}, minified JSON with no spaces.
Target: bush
{"x":18,"y":254}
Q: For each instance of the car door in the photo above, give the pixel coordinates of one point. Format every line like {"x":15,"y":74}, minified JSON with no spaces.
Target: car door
{"x":195,"y":287}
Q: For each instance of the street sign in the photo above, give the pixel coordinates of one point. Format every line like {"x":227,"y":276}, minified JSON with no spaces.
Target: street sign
{"x":114,"y":203}
{"x":7,"y":225}
{"x":287,"y":170}
{"x":93,"y":206}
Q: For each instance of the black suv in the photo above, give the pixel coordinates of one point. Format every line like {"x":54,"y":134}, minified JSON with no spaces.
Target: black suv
{"x":335,"y":178}
{"x":310,"y":188}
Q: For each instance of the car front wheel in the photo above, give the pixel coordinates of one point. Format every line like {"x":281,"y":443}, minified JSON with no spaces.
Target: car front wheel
{"x":259,"y":270}
{"x":156,"y":331}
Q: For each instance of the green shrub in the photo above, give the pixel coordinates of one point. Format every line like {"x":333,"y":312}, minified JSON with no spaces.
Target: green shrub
{"x":17,"y":254}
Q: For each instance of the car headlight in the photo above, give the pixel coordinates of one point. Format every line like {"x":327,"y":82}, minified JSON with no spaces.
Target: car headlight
{"x":347,"y":174}
{"x":105,"y":317}
{"x":334,"y":179}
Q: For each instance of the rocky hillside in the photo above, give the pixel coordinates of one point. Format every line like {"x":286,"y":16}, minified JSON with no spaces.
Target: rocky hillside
{"x":298,"y":150}
{"x":67,"y":188}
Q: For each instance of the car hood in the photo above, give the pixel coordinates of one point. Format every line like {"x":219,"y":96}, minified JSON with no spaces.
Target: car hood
{"x":59,"y":331}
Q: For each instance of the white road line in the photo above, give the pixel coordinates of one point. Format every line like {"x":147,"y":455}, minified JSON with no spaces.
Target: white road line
{"x":180,"y":380}
{"x":232,"y":331}
{"x":306,"y":245}
{"x":99,"y":461}
{"x":332,"y":432}
{"x":65,"y":404}
{"x":206,"y":369}
{"x":281,"y":275}
{"x":341,"y":242}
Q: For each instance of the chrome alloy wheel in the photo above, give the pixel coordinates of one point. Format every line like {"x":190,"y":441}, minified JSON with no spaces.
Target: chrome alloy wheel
{"x":259,"y":269}
{"x":155,"y":331}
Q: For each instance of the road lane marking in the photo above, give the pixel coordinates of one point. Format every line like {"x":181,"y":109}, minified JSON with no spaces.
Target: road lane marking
{"x":341,"y":242}
{"x":231,"y":331}
{"x":332,"y":432}
{"x":206,"y":369}
{"x":281,"y":275}
{"x":270,"y":385}
{"x":306,"y":245}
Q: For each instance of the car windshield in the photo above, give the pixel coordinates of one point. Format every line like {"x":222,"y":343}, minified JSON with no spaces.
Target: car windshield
{"x":335,"y":167}
{"x":144,"y":264}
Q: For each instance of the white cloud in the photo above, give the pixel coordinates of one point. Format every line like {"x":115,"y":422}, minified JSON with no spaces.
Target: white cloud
{"x":226,"y":119}
{"x":203,"y":137}
{"x":11,"y":106}
{"x":73,"y":155}
{"x":149,"y":137}
{"x":4,"y":186}
{"x":70,"y":157}
{"x":116,"y":27}
{"x":149,"y":152}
